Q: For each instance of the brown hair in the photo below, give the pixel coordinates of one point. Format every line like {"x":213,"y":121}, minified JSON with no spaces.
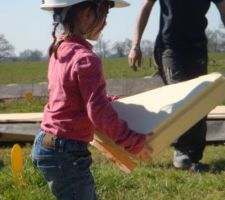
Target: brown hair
{"x":67,"y":22}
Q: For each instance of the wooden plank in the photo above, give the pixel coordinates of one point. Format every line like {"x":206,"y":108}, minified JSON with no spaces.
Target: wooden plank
{"x":169,"y":113}
{"x":218,"y":113}
{"x":215,"y":131}
{"x":21,"y":117}
{"x":12,"y":131}
{"x":125,"y":161}
{"x":20,"y":128}
{"x":171,"y":110}
{"x":10,"y":137}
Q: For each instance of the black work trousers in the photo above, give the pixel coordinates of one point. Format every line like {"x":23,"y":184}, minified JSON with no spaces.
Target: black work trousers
{"x":179,"y":65}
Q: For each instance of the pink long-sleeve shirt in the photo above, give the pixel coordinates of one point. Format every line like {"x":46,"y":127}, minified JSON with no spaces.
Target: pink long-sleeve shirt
{"x":78,"y":102}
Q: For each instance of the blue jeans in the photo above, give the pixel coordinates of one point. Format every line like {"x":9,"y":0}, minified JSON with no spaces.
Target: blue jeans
{"x":66,"y":168}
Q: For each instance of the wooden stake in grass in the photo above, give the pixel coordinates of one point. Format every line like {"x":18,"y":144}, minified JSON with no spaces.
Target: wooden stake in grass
{"x":28,"y":96}
{"x":17,"y":165}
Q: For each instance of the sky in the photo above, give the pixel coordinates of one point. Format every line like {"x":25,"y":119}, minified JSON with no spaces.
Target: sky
{"x":26,"y":26}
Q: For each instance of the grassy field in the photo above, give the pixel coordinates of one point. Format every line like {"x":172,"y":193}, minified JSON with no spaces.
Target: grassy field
{"x":33,"y":72}
{"x":159,"y":181}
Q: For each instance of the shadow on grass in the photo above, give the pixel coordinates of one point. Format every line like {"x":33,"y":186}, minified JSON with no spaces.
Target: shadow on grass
{"x":1,"y":164}
{"x":163,"y":165}
{"x":218,"y":166}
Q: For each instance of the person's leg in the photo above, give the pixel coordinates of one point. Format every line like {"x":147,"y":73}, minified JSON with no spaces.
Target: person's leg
{"x":174,"y":73}
{"x":78,"y":178}
{"x":65,"y":168}
{"x":195,"y":65}
{"x":173,"y":66}
{"x":180,"y":66}
{"x":190,"y":146}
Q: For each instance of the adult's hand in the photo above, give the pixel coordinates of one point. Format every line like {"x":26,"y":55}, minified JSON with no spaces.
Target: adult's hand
{"x":134,"y":58}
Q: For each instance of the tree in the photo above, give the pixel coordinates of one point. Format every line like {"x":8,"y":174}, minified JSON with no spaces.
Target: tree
{"x":6,"y":49}
{"x":216,"y":40}
{"x":147,"y":47}
{"x":127,"y":45}
{"x":31,"y":55}
{"x":101,"y":47}
{"x":121,"y":49}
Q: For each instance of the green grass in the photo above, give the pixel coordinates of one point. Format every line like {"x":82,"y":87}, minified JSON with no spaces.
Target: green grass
{"x":159,"y":181}
{"x":216,"y":62}
{"x":23,"y":72}
{"x":118,"y":68}
{"x":33,"y":72}
{"x":22,"y":106}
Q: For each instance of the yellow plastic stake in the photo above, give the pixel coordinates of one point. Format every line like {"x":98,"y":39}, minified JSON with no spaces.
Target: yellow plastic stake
{"x":17,"y":165}
{"x":28,"y":96}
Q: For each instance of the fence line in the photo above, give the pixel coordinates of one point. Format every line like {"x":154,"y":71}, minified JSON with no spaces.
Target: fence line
{"x":120,"y":87}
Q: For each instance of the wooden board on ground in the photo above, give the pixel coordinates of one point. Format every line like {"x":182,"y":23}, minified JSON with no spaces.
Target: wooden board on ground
{"x":12,"y":137}
{"x":21,"y":117}
{"x":215,"y":132}
{"x":18,"y":132}
{"x":25,"y":132}
{"x":218,"y":113}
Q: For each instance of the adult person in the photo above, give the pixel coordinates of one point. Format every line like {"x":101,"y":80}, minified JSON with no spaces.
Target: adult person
{"x":180,"y":54}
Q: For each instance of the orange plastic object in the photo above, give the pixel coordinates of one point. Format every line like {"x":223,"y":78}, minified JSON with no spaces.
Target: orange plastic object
{"x":17,"y":164}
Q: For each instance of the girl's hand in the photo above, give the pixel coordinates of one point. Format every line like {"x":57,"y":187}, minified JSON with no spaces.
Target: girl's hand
{"x":145,"y":153}
{"x":112,"y":98}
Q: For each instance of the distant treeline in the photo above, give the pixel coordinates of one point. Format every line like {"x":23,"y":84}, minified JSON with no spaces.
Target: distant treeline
{"x":104,"y":48}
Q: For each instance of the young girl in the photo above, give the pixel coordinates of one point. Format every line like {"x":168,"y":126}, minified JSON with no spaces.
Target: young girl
{"x":78,"y":102}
